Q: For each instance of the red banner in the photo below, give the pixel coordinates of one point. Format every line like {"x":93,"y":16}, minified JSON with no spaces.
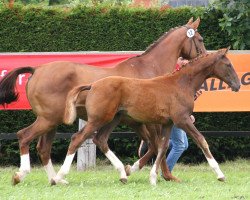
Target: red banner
{"x":216,"y":97}
{"x":11,"y":61}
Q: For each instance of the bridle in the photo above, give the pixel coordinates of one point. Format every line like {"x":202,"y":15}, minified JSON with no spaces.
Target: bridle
{"x":198,"y":51}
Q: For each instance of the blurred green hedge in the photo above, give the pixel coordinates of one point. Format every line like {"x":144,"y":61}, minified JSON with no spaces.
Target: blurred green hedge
{"x":41,"y":29}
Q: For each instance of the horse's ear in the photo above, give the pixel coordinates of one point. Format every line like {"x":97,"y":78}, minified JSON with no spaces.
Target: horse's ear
{"x":190,"y":21}
{"x":196,"y":23}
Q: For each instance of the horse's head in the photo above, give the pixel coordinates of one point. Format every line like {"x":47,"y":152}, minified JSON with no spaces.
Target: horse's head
{"x":223,"y":69}
{"x":193,"y":45}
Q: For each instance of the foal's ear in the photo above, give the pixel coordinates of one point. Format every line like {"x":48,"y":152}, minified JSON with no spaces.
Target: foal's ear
{"x":190,"y":21}
{"x":228,"y":48}
{"x":224,"y":51}
{"x":196,"y":23}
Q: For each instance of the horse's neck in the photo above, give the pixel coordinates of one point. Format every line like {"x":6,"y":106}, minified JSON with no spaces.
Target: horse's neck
{"x":161,"y":58}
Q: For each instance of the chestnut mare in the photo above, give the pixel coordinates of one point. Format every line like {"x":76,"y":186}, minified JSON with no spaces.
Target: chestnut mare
{"x":162,"y":100}
{"x":50,"y":83}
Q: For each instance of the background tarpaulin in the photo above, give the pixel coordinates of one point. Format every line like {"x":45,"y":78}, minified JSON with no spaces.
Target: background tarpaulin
{"x":216,"y":96}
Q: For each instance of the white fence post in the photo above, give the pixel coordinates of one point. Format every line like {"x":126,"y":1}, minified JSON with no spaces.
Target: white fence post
{"x":86,"y":154}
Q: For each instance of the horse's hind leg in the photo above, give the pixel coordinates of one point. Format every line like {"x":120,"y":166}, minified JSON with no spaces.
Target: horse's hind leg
{"x":151,"y":132}
{"x":142,"y":131}
{"x":25,"y":136}
{"x":161,"y":153}
{"x":139,"y":164}
{"x":101,"y":140}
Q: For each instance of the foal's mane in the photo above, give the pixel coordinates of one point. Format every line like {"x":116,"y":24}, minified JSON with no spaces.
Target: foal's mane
{"x":194,"y":60}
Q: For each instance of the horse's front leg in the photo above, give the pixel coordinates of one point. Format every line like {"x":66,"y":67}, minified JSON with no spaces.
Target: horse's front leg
{"x":44,"y":150}
{"x":187,"y":125}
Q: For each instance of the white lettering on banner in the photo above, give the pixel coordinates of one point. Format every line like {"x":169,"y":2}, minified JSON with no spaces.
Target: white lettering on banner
{"x":20,"y":77}
{"x":3,"y":73}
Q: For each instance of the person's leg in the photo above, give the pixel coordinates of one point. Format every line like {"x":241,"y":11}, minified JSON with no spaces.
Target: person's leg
{"x":178,"y":144}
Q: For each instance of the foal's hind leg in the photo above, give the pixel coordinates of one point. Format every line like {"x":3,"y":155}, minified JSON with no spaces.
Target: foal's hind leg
{"x":199,"y":139}
{"x":76,"y":140}
{"x":25,"y":136}
{"x":101,"y":140}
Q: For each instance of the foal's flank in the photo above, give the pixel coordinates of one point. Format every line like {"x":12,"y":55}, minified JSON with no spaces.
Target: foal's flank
{"x":162,"y":100}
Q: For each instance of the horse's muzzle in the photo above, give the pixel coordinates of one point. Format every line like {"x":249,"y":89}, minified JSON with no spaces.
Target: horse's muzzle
{"x":235,"y":87}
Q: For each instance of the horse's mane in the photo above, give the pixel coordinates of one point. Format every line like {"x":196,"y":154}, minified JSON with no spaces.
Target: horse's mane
{"x":155,"y":43}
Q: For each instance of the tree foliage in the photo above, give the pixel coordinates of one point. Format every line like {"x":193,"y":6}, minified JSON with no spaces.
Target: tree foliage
{"x":235,"y":20}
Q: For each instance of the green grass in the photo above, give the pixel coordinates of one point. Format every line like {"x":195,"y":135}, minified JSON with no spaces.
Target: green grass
{"x":198,"y":182}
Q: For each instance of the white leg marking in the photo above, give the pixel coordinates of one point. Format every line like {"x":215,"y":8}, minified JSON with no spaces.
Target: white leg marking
{"x":117,"y":163}
{"x":25,"y":163}
{"x":153,"y":175}
{"x":64,"y":168}
{"x":50,"y":170}
{"x":216,"y":168}
{"x":135,"y":166}
{"x":24,"y":166}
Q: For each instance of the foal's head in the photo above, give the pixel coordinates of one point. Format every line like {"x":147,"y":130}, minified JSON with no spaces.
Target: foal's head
{"x":193,"y":46}
{"x":223,"y":69}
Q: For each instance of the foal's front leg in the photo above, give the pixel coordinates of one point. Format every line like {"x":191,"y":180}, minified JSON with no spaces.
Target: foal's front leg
{"x":187,"y":125}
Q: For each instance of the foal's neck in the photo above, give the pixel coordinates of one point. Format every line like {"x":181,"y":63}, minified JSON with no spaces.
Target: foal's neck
{"x":197,"y":71}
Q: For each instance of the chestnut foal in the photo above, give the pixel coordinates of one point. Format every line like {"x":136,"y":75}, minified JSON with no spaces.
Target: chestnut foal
{"x":162,"y":100}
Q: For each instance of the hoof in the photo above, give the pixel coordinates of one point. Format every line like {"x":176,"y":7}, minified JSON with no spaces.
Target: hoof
{"x":124,"y":180}
{"x":153,"y":182}
{"x":222,"y":179}
{"x":63,"y":182}
{"x":128,"y":170}
{"x":15,"y":179}
{"x":52,"y":182}
{"x":172,"y":178}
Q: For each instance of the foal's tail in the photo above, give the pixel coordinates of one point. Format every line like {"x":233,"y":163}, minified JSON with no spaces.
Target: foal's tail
{"x":8,"y":92}
{"x":70,"y":108}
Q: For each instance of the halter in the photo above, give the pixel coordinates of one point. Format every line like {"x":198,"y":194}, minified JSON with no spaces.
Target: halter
{"x":198,"y":51}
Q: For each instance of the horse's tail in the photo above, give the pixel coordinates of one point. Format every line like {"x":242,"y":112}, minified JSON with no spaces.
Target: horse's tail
{"x":70,"y":108}
{"x":8,"y":92}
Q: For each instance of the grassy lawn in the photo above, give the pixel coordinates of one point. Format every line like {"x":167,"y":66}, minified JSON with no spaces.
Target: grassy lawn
{"x":198,"y":182}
